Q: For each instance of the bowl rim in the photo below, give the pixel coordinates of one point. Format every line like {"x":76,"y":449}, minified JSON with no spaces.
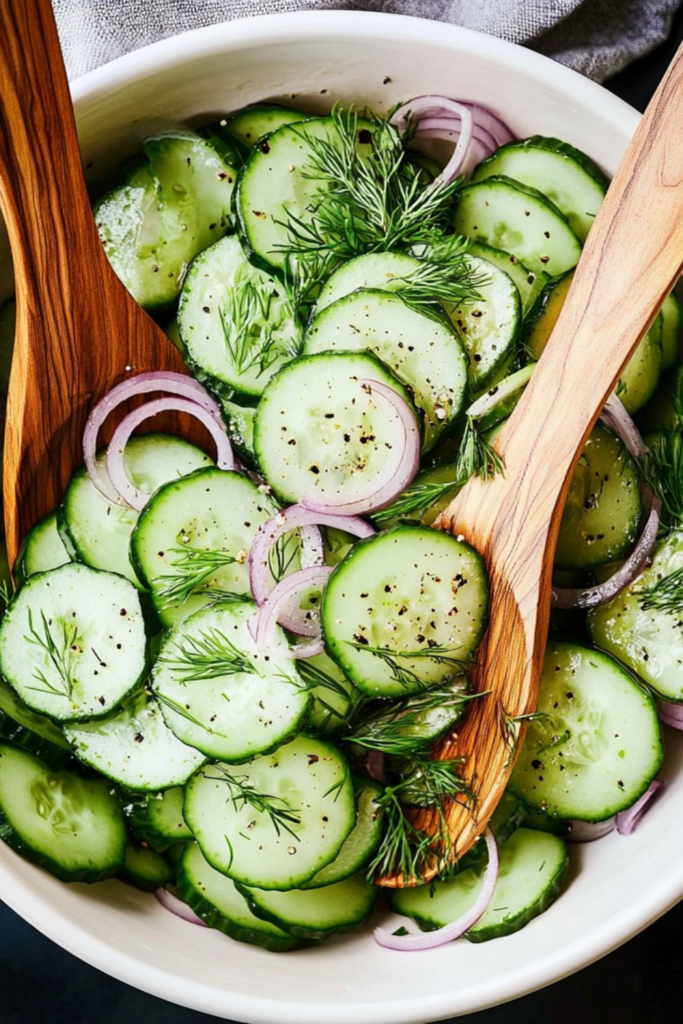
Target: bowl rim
{"x":16,"y":890}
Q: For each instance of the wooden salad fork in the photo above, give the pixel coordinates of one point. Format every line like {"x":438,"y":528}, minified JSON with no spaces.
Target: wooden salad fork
{"x":78,"y":330}
{"x":632,"y":258}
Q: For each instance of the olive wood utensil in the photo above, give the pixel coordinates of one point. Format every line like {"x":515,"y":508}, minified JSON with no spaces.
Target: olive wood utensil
{"x":78,"y":330}
{"x":633,"y":256}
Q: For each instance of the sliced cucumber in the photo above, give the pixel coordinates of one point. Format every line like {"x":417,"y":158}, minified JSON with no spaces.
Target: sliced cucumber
{"x":316,"y":913}
{"x":544,"y":313}
{"x":31,"y":732}
{"x":220,"y":692}
{"x":424,"y":353}
{"x":71,"y":827}
{"x":135,"y":748}
{"x":533,"y":866}
{"x":250,"y":124}
{"x":320,"y":431}
{"x":519,"y":220}
{"x":8,"y":317}
{"x":43,"y":549}
{"x":604,"y":505}
{"x":564,"y":174}
{"x":145,"y":869}
{"x":361,"y":842}
{"x":671,"y":331}
{"x":157,"y":818}
{"x":430,"y":493}
{"x":236,"y":321}
{"x":496,"y":404}
{"x":191,"y":542}
{"x":333,"y":696}
{"x":405,"y":610}
{"x":216,"y":899}
{"x":417,"y":718}
{"x":597,"y":744}
{"x":528,"y":283}
{"x":385,"y":271}
{"x":306,"y":790}
{"x":639,"y":380}
{"x":275,"y":183}
{"x":230,"y":149}
{"x":98,"y":530}
{"x":647,"y":640}
{"x":507,"y":817}
{"x":239,"y":420}
{"x":172,"y":205}
{"x":72,"y":643}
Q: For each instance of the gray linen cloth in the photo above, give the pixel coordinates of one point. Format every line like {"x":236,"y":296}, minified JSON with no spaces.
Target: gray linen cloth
{"x":595,"y":37}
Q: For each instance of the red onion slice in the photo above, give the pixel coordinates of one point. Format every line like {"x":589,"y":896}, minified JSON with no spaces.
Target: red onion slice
{"x":486,"y":118}
{"x":294,"y":517}
{"x":627,"y":821}
{"x":401,"y":466}
{"x":140,"y":384}
{"x":262,"y":624}
{"x":589,"y":831}
{"x":671,"y":714}
{"x":617,"y":419}
{"x":439,"y":937}
{"x":117,"y":446}
{"x":177,"y":907}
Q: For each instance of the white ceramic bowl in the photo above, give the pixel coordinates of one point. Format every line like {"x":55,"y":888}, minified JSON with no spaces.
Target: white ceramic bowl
{"x":618,"y":885}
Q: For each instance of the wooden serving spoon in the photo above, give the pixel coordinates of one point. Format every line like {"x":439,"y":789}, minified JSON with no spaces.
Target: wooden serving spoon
{"x":78,"y":330}
{"x":632,"y":258}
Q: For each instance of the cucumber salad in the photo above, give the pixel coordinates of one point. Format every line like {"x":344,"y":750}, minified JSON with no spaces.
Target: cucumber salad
{"x":226,"y":668}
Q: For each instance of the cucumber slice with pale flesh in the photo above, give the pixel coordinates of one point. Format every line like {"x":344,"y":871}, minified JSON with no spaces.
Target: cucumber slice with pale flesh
{"x":671,"y":331}
{"x":316,"y":913}
{"x":277,"y":821}
{"x":43,"y":549}
{"x":528,"y":283}
{"x":333,"y":696}
{"x":34,"y":733}
{"x":250,"y":124}
{"x":385,"y":271}
{"x":145,"y":869}
{"x":361,"y":842}
{"x":72,"y":643}
{"x":597,"y":743}
{"x":157,"y":818}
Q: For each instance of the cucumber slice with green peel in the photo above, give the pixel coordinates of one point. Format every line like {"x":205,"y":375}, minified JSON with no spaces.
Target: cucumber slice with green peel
{"x":597,"y":744}
{"x":135,"y":748}
{"x":216,"y":899}
{"x":604,"y":505}
{"x":362,"y":841}
{"x":520,"y":220}
{"x":542,"y":822}
{"x":496,"y":404}
{"x":34,"y":733}
{"x":430,"y":493}
{"x":223,"y":694}
{"x":528,"y":283}
{"x":276,"y":822}
{"x":507,"y":817}
{"x":43,"y":549}
{"x":145,"y":869}
{"x":8,"y":319}
{"x":172,"y":331}
{"x":191,"y":542}
{"x":639,"y":380}
{"x":276,"y":184}
{"x":424,"y":353}
{"x":316,"y":913}
{"x":157,"y":818}
{"x":671,"y":331}
{"x":405,"y":610}
{"x":564,"y":174}
{"x":385,"y":271}
{"x":239,"y":420}
{"x":250,"y":124}
{"x":533,"y":867}
{"x":71,"y":827}
{"x":320,"y":432}
{"x":660,"y":412}
{"x":229,"y":147}
{"x":543,"y":314}
{"x":99,"y":531}
{"x":72,"y":642}
{"x":490,"y":326}
{"x":237,"y":322}
{"x":415,"y":721}
{"x":333,"y":696}
{"x":171,"y":206}
{"x":648,"y":640}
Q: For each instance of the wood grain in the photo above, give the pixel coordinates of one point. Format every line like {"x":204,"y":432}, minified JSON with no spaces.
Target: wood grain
{"x":633,"y":255}
{"x":78,"y":330}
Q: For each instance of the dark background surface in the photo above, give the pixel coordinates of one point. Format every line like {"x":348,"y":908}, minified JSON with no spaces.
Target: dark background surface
{"x":637,"y":983}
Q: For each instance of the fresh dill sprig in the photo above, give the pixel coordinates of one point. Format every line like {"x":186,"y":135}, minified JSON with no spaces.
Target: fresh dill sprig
{"x":282,"y":555}
{"x":195,"y":567}
{"x":399,"y":730}
{"x":405,"y":676}
{"x":251,"y":341}
{"x":666,"y":595}
{"x":302,"y":279}
{"x":443,"y":276}
{"x":511,"y":730}
{"x":315,"y":678}
{"x":476,"y":456}
{"x":416,"y":500}
{"x":5,"y":596}
{"x":209,"y":655}
{"x":662,"y":468}
{"x":60,"y":651}
{"x":241,"y":792}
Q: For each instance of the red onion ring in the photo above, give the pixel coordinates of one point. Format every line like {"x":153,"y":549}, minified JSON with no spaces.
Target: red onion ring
{"x":400,"y":469}
{"x":140,"y":384}
{"x":487,"y":119}
{"x":292,"y":518}
{"x":615,"y":416}
{"x":262,"y":624}
{"x":627,"y":821}
{"x":671,"y":714}
{"x":117,"y":446}
{"x":177,"y":907}
{"x":589,"y":831}
{"x":439,"y":937}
